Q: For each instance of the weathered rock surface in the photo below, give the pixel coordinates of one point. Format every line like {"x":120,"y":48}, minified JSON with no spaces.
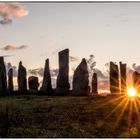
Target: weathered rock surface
{"x":22,"y":80}
{"x":114,"y":78}
{"x":63,"y":76}
{"x":33,"y":83}
{"x":94,"y":84}
{"x":46,"y":84}
{"x":136,"y":81}
{"x":10,"y":81}
{"x":80,"y":79}
{"x":3,"y":77}
{"x":123,"y":77}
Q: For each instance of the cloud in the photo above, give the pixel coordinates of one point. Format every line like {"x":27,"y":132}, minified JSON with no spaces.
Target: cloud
{"x":135,"y":67}
{"x":103,"y":85}
{"x":9,"y":11}
{"x":21,"y":47}
{"x":6,"y":55}
{"x":15,"y":70}
{"x":40,"y":72}
{"x":37,"y":72}
{"x":101,"y":75}
{"x":13,"y":47}
{"x":73,"y":58}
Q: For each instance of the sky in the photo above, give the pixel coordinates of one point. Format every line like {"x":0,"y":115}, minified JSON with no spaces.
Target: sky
{"x":33,"y":32}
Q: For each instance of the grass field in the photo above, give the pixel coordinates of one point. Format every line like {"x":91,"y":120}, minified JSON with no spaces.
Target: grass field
{"x":64,"y":117}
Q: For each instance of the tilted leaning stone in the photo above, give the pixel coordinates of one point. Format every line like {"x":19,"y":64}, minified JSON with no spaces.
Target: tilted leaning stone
{"x":80,"y":79}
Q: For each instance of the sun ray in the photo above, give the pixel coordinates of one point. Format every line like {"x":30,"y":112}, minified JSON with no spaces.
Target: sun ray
{"x":115,"y":109}
{"x":130,"y":114}
{"x":109,"y":102}
{"x":122,"y":112}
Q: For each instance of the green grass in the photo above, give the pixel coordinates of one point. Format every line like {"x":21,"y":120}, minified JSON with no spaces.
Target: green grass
{"x":42,"y":116}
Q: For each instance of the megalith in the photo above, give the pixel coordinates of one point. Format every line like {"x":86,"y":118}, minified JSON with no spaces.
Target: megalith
{"x":22,"y":80}
{"x":114,"y":78}
{"x":62,"y":86}
{"x":10,"y":81}
{"x":3,"y":77}
{"x":33,"y":83}
{"x":94,"y":84}
{"x":46,"y":84}
{"x":80,"y":79}
{"x":136,"y":80}
{"x":123,"y":77}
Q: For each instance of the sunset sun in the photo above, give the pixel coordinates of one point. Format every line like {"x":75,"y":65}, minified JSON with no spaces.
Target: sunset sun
{"x":131,"y":92}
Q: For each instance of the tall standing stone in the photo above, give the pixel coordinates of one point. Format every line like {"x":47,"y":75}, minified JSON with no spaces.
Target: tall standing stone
{"x":114,"y":78}
{"x":33,"y":83}
{"x":94,"y":83}
{"x":123,"y":77}
{"x":22,"y":80}
{"x":136,"y":81}
{"x":3,"y":77}
{"x":80,"y":79}
{"x":10,"y":80}
{"x":46,"y":84}
{"x":63,"y":76}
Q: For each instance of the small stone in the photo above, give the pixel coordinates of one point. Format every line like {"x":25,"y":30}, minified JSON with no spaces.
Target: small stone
{"x":33,"y":83}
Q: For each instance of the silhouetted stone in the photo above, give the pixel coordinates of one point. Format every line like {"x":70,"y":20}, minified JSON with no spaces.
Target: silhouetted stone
{"x":22,"y":81}
{"x":80,"y":79}
{"x":46,"y":84}
{"x":33,"y":83}
{"x":136,"y":81}
{"x":114,"y":78}
{"x":3,"y":77}
{"x":94,"y":83}
{"x":63,"y":76}
{"x":123,"y":77}
{"x":10,"y":80}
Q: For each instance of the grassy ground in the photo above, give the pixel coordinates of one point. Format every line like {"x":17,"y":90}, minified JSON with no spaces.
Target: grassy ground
{"x":42,"y":116}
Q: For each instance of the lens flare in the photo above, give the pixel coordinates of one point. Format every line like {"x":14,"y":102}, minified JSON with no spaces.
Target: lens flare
{"x":131,"y":92}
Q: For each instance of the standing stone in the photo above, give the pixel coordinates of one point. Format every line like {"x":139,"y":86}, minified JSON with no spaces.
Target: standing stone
{"x":3,"y":77}
{"x":94,"y":83}
{"x":22,"y":81}
{"x":136,"y":81}
{"x":10,"y":80}
{"x":114,"y":78}
{"x":63,"y":76}
{"x":80,"y":79}
{"x":46,"y":84}
{"x":33,"y":83}
{"x":123,"y":77}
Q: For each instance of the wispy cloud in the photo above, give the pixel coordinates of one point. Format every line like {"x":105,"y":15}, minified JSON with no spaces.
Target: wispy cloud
{"x":40,"y":72}
{"x":73,"y":58}
{"x":13,"y":47}
{"x":9,"y":11}
{"x":6,"y":55}
{"x":15,"y":70}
